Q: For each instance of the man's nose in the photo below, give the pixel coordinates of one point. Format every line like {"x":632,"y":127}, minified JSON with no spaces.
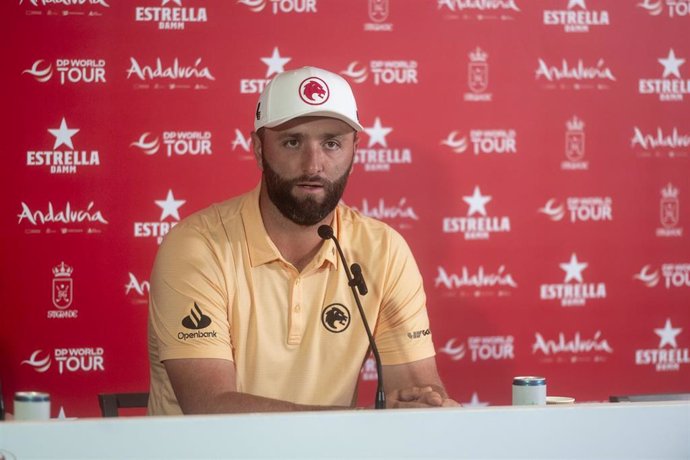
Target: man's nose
{"x":313,"y":158}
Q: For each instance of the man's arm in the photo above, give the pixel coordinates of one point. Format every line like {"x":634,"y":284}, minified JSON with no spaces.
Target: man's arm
{"x":208,"y":386}
{"x":415,"y":384}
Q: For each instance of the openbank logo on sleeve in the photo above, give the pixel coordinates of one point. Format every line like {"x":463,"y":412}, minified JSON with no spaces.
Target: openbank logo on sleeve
{"x":668,"y":356}
{"x":280,"y":6}
{"x":196,"y":321}
{"x":580,"y":75}
{"x":491,"y":348}
{"x":482,"y":141}
{"x":62,"y":292}
{"x":574,"y":146}
{"x":67,"y":159}
{"x":484,"y":10}
{"x":573,"y":292}
{"x":580,"y":209}
{"x":169,"y":74}
{"x":68,"y":360}
{"x":479,"y":282}
{"x":478,"y":76}
{"x":61,"y":8}
{"x":137,"y":291}
{"x":576,"y":18}
{"x":675,"y":276}
{"x":383,"y":72}
{"x":176,"y":143}
{"x":170,"y":208}
{"x":382,"y":158}
{"x":661,"y":143}
{"x":65,"y":220}
{"x":478,"y":225}
{"x":378,"y":10}
{"x":68,"y":71}
{"x":275,"y":64}
{"x":669,"y":213}
{"x":400,"y":214}
{"x":671,"y":87}
{"x":674,"y":8}
{"x":170,"y":15}
{"x":575,"y":348}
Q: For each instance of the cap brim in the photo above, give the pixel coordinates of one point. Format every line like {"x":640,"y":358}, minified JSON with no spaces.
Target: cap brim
{"x":317,"y":113}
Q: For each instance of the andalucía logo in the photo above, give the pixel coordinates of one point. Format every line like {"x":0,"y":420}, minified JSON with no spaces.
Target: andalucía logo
{"x":575,"y":349}
{"x":137,"y":291}
{"x":244,"y":144}
{"x":280,"y":6}
{"x":68,"y":360}
{"x":275,"y":64}
{"x":72,"y":71}
{"x":580,"y":209}
{"x":674,"y":8}
{"x":62,"y":8}
{"x":170,"y":17}
{"x":660,"y":143}
{"x":492,"y":348}
{"x":169,"y":208}
{"x":379,"y":11}
{"x":475,"y":283}
{"x":577,"y":18}
{"x":671,"y":87}
{"x":668,"y":356}
{"x":675,"y":276}
{"x":573,"y":294}
{"x":482,"y":10}
{"x":574,"y":76}
{"x":669,"y":213}
{"x":384,"y":72}
{"x":63,"y":161}
{"x":476,"y":227}
{"x":176,"y":143}
{"x":63,"y":292}
{"x":484,"y":141}
{"x":401,"y":214}
{"x":69,"y":219}
{"x":170,"y":75}
{"x":381,"y":159}
{"x":478,"y":76}
{"x":574,"y":146}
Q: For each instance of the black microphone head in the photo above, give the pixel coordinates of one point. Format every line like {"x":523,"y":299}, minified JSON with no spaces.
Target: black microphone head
{"x":326,"y":232}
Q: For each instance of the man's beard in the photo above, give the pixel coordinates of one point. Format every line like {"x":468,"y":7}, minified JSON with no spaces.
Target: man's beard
{"x":306,"y":211}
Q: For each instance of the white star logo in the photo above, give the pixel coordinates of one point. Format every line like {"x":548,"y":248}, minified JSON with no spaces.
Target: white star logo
{"x":668,"y":334}
{"x":574,"y":3}
{"x":170,"y":206}
{"x":275,"y":63}
{"x":176,"y":2}
{"x":377,"y":134}
{"x":573,"y":269}
{"x":63,"y":135}
{"x":671,"y":64}
{"x":475,"y":402}
{"x":477,"y":202}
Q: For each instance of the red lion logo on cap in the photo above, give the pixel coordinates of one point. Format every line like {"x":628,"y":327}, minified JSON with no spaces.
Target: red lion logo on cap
{"x":314,"y":91}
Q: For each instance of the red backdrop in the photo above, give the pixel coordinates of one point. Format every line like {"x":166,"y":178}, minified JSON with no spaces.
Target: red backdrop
{"x":534,"y":154}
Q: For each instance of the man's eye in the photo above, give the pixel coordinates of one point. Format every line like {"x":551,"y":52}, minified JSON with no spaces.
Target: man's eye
{"x":332,"y":145}
{"x":291,"y":143}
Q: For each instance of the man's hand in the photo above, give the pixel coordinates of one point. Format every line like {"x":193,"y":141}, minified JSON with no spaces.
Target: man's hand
{"x":418,"y":397}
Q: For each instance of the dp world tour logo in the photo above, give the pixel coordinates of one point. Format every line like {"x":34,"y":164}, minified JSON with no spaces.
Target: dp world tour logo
{"x":335,"y":317}
{"x":314,"y":91}
{"x":196,"y":319}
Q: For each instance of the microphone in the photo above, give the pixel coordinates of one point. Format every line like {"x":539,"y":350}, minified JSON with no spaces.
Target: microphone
{"x":326,"y":233}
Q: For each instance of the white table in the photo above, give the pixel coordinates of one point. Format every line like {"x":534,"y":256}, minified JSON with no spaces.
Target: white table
{"x":622,"y":430}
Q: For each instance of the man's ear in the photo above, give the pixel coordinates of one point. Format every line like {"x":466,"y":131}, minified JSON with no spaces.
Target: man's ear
{"x":257,"y":148}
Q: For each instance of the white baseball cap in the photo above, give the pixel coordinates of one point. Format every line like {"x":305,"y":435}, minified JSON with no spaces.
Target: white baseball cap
{"x":308,"y":91}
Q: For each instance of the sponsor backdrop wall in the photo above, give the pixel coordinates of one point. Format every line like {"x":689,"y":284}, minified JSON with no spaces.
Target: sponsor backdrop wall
{"x":535,"y":155}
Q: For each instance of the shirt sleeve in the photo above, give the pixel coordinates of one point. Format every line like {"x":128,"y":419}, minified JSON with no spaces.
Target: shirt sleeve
{"x":402,"y":333}
{"x":188,"y":305}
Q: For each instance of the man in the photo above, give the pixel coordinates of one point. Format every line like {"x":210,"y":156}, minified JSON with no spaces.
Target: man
{"x":250,"y":310}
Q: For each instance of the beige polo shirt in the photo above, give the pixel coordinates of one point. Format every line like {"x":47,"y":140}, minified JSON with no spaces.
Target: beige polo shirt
{"x":221,"y":289}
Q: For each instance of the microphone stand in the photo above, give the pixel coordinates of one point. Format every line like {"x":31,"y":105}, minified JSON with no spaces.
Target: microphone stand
{"x":357,"y":283}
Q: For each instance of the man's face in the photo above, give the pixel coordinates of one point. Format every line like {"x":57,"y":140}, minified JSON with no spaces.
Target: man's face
{"x":306,"y":163}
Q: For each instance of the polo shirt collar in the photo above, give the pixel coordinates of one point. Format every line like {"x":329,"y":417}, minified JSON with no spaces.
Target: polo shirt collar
{"x":262,"y":250}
